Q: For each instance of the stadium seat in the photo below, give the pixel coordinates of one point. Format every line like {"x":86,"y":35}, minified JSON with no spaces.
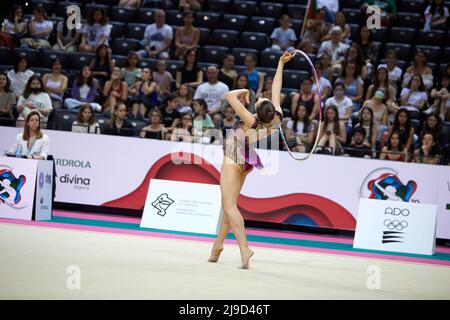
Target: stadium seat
{"x":234,"y":22}
{"x":262,"y":24}
{"x":271,"y":9}
{"x":135,"y":30}
{"x":292,"y":79}
{"x":353,"y":15}
{"x":146,"y":15}
{"x":404,"y":51}
{"x":208,"y":20}
{"x":352,"y":4}
{"x":299,"y":63}
{"x":296,"y":11}
{"x":87,"y":8}
{"x":378,"y":35}
{"x":446,"y":55}
{"x":155,"y":4}
{"x":254,"y":40}
{"x":138,"y":125}
{"x":120,"y":60}
{"x":49,"y":6}
{"x":213,"y":54}
{"x":296,"y":25}
{"x":77,"y":60}
{"x":40,"y":71}
{"x":433,"y":52}
{"x":6,"y":56}
{"x":416,"y":6}
{"x":122,"y":14}
{"x":269,"y":59}
{"x":241,"y":53}
{"x":173,"y":65}
{"x":409,"y":20}
{"x":147,"y":63}
{"x":117,"y":29}
{"x":60,"y":8}
{"x":204,"y":36}
{"x":402,"y":35}
{"x":247,"y":8}
{"x":174,"y":18}
{"x":205,"y":65}
{"x":268,"y":72}
{"x":434,"y":38}
{"x":122,"y":46}
{"x":219,"y":5}
{"x":31,"y":54}
{"x":63,"y":119}
{"x":225,"y":38}
{"x":45,"y":58}
{"x":240,"y":69}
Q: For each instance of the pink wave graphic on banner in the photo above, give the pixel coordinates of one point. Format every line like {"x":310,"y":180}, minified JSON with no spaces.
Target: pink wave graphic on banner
{"x":322,"y":211}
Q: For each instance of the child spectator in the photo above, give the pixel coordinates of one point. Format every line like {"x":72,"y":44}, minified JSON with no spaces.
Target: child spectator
{"x":14,"y":27}
{"x":163,"y":78}
{"x":283,"y":37}
{"x":429,"y":151}
{"x":66,"y":40}
{"x":86,"y":122}
{"x":155,"y":129}
{"x":395,"y":149}
{"x":96,"y":31}
{"x":131,"y":72}
{"x":332,"y":132}
{"x":144,"y":95}
{"x":55,"y":84}
{"x":119,"y":125}
{"x":115,"y":91}
{"x":301,"y":129}
{"x":202,"y":120}
{"x":84,"y":91}
{"x":39,"y":30}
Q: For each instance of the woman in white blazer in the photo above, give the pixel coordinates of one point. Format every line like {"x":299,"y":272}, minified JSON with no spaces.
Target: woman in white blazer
{"x":32,"y":142}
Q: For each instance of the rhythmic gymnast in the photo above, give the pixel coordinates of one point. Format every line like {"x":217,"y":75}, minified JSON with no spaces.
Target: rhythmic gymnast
{"x":240,"y":157}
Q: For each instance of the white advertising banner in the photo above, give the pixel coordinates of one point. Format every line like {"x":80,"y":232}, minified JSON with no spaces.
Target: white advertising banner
{"x":396,"y":226}
{"x":17,"y":186}
{"x":170,"y":207}
{"x":323,"y":191}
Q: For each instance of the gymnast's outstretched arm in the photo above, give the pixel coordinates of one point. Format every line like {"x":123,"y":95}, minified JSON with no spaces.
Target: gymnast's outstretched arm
{"x":278,"y":80}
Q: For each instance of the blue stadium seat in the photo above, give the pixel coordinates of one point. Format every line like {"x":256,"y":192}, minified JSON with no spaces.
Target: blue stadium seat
{"x":402,"y":35}
{"x":296,"y":11}
{"x":63,"y":119}
{"x":6,"y":56}
{"x":234,"y":22}
{"x":254,"y":40}
{"x":262,"y":24}
{"x":434,"y":38}
{"x":87,"y":8}
{"x":120,"y":60}
{"x":146,"y":15}
{"x":270,"y":9}
{"x":404,"y":51}
{"x":241,"y":53}
{"x":268,"y":72}
{"x":174,"y":18}
{"x":433,"y":52}
{"x":409,"y":20}
{"x":45,"y":58}
{"x":135,"y":30}
{"x":352,"y":4}
{"x":225,"y":38}
{"x":148,"y":63}
{"x":353,"y":15}
{"x":208,"y":20}
{"x":247,"y":8}
{"x":122,"y":14}
{"x":416,"y":6}
{"x":49,"y":6}
{"x":292,"y":79}
{"x":219,"y":5}
{"x":117,"y":29}
{"x":213,"y":54}
{"x":173,"y":65}
{"x":61,"y":7}
{"x":269,"y":59}
{"x":77,"y":60}
{"x":204,"y":36}
{"x":31,"y":54}
{"x":123,"y":46}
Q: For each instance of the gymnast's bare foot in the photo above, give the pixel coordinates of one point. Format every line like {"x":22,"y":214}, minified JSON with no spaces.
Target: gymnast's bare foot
{"x":245,"y":256}
{"x":215,"y":253}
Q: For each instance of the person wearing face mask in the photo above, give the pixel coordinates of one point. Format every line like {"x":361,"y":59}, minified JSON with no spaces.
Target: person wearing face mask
{"x":342,"y":103}
{"x":32,"y":143}
{"x":34,"y":98}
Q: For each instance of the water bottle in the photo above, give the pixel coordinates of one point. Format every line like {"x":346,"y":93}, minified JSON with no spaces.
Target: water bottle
{"x":19,"y":151}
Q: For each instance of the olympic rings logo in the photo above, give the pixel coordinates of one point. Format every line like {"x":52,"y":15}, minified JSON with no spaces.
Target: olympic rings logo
{"x":395,"y":224}
{"x":397,"y":211}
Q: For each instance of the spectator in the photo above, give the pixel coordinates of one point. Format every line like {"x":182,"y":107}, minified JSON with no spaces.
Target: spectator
{"x":316,"y":30}
{"x":301,"y":129}
{"x":202,"y":120}
{"x":228,"y":74}
{"x":212,"y":91}
{"x":96,"y":31}
{"x":336,"y":49}
{"x":170,"y":115}
{"x":187,"y":5}
{"x":267,"y":93}
{"x":14,"y":27}
{"x":388,"y":10}
{"x":345,"y":28}
{"x":355,"y":53}
{"x":131,"y":72}
{"x":184,"y":96}
{"x":115,"y":91}
{"x":119,"y":125}
{"x":325,"y":62}
{"x":379,"y":109}
{"x":331,"y":7}
{"x":19,"y":76}
{"x":84,"y":91}
{"x":395,"y":73}
{"x":368,"y":47}
{"x":163,"y":78}
{"x":402,"y":125}
{"x":324,"y":83}
{"x":102,"y":65}
{"x":414,"y":97}
{"x":130,"y":3}
{"x":332,"y":132}
{"x":32,"y":143}
{"x":7,"y":97}
{"x":441,"y":98}
{"x":34,"y":98}
{"x":394,"y":149}
{"x":39,"y":30}
{"x":242,"y":83}
{"x":187,"y":36}
{"x":352,"y":83}
{"x":55,"y":84}
{"x":429,"y":151}
{"x":185,"y":130}
{"x":343,"y":104}
{"x":157,"y":38}
{"x":155,"y":129}
{"x":366,"y":121}
{"x":419,"y":66}
{"x":381,"y":80}
{"x":436,"y":15}
{"x":229,"y":120}
{"x":433,"y":124}
{"x":190,"y":73}
{"x":283,"y":37}
{"x":358,"y":148}
{"x":66,"y":40}
{"x":255,"y":78}
{"x":144,"y":95}
{"x":307,"y":98}
{"x":86,"y":122}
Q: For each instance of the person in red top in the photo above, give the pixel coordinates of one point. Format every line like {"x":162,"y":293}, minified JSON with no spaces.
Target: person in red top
{"x":115,"y":91}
